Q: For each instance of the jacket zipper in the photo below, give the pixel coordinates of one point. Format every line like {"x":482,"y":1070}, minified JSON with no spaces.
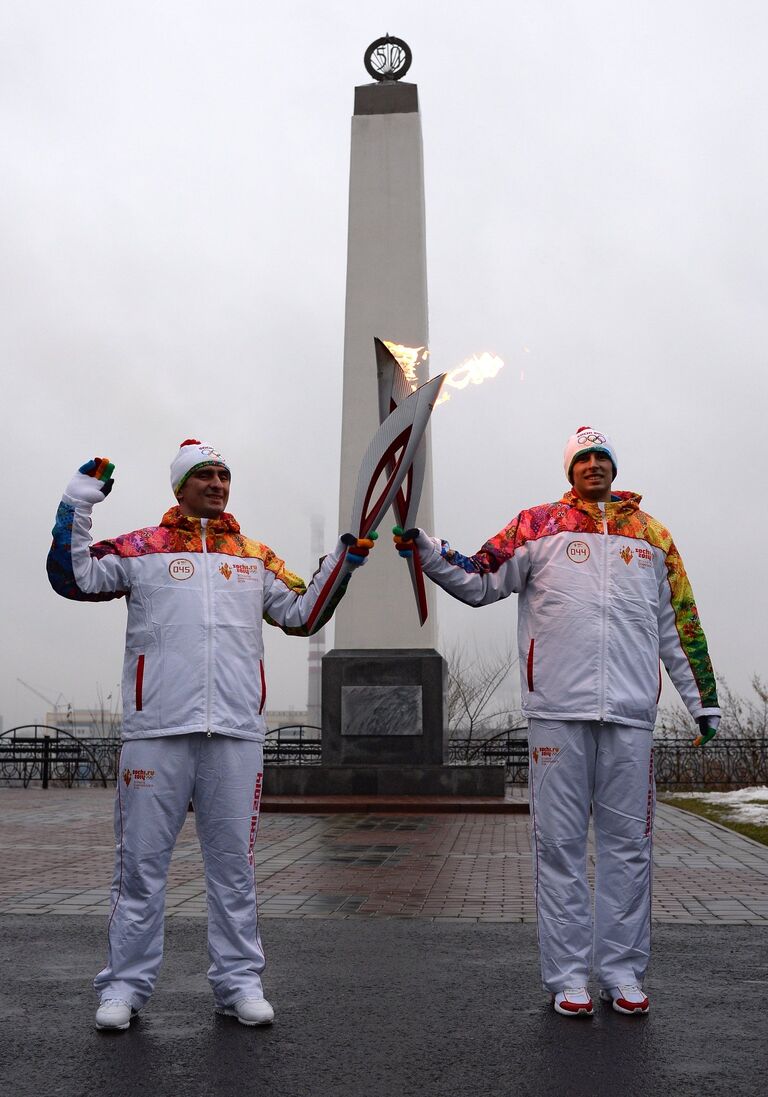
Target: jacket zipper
{"x":604,"y":611}
{"x":207,"y":620}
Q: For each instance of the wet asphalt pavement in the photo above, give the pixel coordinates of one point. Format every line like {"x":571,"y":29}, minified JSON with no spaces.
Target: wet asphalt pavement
{"x":384,"y":1008}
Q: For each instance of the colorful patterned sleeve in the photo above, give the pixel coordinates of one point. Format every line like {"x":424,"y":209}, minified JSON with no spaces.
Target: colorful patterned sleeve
{"x":682,"y":643}
{"x":60,"y":563}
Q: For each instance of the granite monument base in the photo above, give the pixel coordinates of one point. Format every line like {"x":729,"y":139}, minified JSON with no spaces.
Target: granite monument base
{"x":384,"y":781}
{"x":383,"y":732}
{"x":383,"y":707}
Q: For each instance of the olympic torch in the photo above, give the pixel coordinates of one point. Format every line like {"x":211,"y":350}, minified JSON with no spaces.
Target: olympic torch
{"x":394,"y":449}
{"x":393,"y":390}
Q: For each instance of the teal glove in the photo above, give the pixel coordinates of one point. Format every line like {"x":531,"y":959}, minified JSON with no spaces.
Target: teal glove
{"x":707,"y":732}
{"x":92,"y":482}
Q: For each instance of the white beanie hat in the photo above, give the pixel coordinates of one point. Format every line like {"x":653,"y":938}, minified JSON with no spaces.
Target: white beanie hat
{"x":192,"y":455}
{"x":588,"y":440}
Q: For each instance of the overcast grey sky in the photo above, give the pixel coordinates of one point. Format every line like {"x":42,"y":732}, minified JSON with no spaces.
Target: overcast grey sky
{"x":173,"y":219}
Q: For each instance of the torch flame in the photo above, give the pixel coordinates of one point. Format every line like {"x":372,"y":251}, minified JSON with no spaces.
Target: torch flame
{"x":473,"y":370}
{"x":409,"y":358}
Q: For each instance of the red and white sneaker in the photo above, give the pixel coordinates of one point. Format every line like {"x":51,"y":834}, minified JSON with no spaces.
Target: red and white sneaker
{"x":573,"y":1002}
{"x":626,"y":998}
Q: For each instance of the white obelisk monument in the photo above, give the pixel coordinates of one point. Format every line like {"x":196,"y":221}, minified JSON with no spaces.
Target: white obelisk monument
{"x":386,"y":297}
{"x":317,"y":640}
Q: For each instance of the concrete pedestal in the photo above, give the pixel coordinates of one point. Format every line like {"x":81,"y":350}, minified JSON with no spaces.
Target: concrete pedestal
{"x":467,"y":781}
{"x":383,"y":732}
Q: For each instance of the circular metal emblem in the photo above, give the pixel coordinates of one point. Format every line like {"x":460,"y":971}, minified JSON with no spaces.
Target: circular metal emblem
{"x":388,"y":58}
{"x":181,"y":569}
{"x":578,"y":551}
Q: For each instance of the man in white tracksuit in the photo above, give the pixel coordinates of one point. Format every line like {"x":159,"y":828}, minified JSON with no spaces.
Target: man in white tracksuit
{"x":194,"y":690}
{"x":603,"y":598}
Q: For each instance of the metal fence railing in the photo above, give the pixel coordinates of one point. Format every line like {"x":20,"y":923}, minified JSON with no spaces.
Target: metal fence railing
{"x":726,"y":762}
{"x":294,"y":745}
{"x":37,"y":755}
{"x":723,"y":763}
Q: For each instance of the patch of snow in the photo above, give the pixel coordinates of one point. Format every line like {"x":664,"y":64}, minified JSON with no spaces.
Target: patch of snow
{"x":748,"y":805}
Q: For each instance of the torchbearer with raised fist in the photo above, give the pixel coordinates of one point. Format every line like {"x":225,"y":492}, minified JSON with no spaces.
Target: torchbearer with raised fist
{"x":194,"y":690}
{"x":604,"y":600}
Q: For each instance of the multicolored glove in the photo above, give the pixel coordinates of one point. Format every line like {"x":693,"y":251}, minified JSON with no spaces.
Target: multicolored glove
{"x":358,"y":547}
{"x":92,"y":482}
{"x":405,"y":540}
{"x":707,"y":731}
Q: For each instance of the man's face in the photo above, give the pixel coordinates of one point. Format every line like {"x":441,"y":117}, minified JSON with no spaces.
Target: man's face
{"x":205,"y":492}
{"x":592,"y":475}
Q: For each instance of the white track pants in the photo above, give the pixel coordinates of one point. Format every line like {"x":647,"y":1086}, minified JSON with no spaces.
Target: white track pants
{"x":158,"y":777}
{"x":575,"y":764}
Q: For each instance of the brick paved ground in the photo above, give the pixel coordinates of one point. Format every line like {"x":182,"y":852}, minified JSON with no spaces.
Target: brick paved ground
{"x":56,"y":854}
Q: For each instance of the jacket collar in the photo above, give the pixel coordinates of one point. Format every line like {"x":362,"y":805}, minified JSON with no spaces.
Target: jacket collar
{"x":174,"y":519}
{"x":622,"y":503}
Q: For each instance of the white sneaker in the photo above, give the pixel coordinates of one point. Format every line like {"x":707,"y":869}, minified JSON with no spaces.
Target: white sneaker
{"x":573,"y":1002}
{"x":626,"y":998}
{"x":114,"y":1013}
{"x":250,"y":1011}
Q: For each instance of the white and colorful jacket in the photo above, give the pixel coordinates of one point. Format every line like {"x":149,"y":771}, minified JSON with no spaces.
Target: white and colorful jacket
{"x":603,"y":598}
{"x":196,"y":592}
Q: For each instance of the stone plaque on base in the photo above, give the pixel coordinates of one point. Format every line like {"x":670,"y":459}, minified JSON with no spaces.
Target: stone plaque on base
{"x":383,"y":707}
{"x":381,"y":710}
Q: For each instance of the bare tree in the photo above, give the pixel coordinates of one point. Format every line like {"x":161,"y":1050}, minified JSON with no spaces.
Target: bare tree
{"x":107,"y":719}
{"x":474,"y":701}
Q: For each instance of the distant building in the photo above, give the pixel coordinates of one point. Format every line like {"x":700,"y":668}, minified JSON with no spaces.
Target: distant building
{"x":284,"y":718}
{"x":86,"y":723}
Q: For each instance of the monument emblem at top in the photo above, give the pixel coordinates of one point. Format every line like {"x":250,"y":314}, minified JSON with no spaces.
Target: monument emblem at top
{"x":388,"y":59}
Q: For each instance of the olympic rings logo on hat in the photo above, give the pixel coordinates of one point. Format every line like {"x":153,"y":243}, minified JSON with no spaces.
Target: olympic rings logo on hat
{"x":591,"y":437}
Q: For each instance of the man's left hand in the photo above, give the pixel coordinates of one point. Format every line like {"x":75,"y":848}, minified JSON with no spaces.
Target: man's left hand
{"x":358,"y":547}
{"x":707,"y":731}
